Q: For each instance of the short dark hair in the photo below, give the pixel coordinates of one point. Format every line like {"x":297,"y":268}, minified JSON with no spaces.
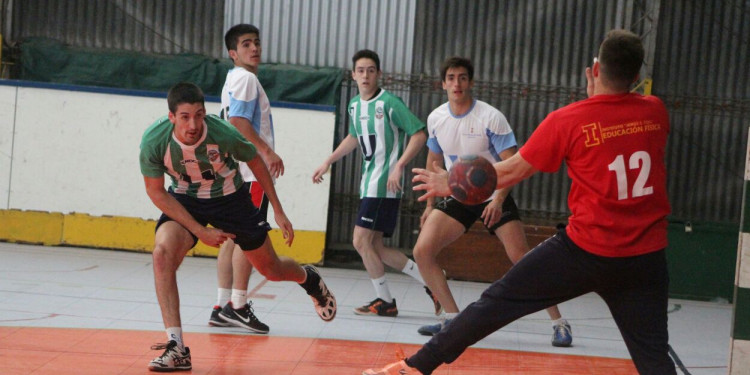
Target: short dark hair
{"x":235,"y":32}
{"x":457,"y":62}
{"x":184,"y":92}
{"x":620,"y":57}
{"x":366,"y":54}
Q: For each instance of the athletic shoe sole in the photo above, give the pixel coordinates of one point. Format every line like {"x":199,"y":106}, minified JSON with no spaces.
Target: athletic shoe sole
{"x":241,"y":324}
{"x":330,"y":303}
{"x":214,"y":323}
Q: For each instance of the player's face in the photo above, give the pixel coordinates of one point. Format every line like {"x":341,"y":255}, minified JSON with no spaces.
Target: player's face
{"x":248,"y":52}
{"x":366,"y":74}
{"x":458,"y":85}
{"x":188,"y":122}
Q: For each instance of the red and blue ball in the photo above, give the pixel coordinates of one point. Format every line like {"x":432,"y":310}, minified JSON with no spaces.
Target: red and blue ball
{"x":472,"y":179}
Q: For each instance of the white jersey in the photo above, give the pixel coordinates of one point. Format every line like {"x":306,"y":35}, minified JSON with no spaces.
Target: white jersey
{"x":243,"y":96}
{"x":482,"y":131}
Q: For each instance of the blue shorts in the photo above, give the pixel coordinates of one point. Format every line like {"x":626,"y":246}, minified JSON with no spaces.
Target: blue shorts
{"x":233,"y":213}
{"x":467,"y":215}
{"x":378,"y":214}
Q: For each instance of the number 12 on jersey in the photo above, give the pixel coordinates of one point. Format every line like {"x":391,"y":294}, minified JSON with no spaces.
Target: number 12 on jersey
{"x":639,"y":160}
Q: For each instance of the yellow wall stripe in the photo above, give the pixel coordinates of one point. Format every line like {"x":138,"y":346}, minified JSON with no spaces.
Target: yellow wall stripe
{"x":108,"y":232}
{"x":35,"y":227}
{"x":127,"y":233}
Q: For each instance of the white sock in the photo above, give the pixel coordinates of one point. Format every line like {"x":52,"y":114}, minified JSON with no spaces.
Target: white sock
{"x":223,"y":297}
{"x":449,"y":316}
{"x":560,"y":321}
{"x":175,"y":333}
{"x":412,"y":270}
{"x":381,"y":288}
{"x":239,"y":298}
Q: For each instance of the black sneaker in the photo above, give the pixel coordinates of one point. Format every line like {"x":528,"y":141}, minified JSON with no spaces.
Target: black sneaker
{"x":435,"y":302}
{"x":325,"y":302}
{"x":216,"y":320}
{"x":243,"y":318}
{"x":172,"y":359}
{"x":378,"y":307}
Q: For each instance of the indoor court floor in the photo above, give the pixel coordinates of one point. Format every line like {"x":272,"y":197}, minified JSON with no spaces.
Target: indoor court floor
{"x":66,"y":310}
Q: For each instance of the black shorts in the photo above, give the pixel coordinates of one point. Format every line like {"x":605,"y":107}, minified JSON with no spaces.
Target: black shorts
{"x":467,"y":215}
{"x":233,"y":213}
{"x":378,"y":214}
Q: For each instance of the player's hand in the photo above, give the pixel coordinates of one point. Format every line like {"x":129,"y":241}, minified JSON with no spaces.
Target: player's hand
{"x":286,"y":227}
{"x":590,"y":79}
{"x":425,"y":214}
{"x":319,"y":172}
{"x":492,"y":212}
{"x":434,"y":184}
{"x":274,"y":163}
{"x":213,"y":237}
{"x":394,"y":180}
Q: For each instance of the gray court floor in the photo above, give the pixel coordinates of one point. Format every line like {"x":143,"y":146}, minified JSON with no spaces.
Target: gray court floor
{"x":105,"y":289}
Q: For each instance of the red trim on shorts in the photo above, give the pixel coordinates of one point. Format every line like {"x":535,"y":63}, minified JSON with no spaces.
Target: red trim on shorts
{"x":256,"y":193}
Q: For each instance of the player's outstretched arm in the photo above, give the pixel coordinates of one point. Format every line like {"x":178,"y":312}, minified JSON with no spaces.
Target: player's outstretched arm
{"x":345,"y":147}
{"x":172,"y":208}
{"x":433,"y":182}
{"x":261,"y":173}
{"x":416,"y":142}
{"x":273,"y":160}
{"x":513,"y":170}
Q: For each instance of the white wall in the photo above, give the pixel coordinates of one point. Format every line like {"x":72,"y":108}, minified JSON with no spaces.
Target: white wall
{"x":7,"y":109}
{"x":78,"y":151}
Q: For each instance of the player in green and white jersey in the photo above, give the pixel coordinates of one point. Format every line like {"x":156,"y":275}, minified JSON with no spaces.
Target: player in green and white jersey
{"x":380,"y":125}
{"x":197,"y":170}
{"x":201,"y":154}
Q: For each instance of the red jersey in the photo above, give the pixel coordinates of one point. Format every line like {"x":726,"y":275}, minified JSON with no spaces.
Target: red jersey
{"x":613,"y":146}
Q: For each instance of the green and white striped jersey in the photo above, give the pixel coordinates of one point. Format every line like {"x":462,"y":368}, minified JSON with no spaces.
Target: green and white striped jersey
{"x":382,"y":125}
{"x":207,"y":169}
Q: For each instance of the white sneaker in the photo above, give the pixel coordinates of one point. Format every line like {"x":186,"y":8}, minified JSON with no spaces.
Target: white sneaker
{"x":172,"y":359}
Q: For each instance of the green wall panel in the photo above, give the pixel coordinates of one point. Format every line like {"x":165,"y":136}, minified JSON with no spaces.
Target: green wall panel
{"x":702,"y":261}
{"x":741,"y":330}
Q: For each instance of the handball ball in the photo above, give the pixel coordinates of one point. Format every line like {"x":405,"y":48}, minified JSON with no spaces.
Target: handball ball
{"x":472,"y":179}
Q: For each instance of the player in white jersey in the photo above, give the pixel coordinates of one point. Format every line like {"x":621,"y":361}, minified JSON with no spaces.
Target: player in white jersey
{"x":380,"y":125}
{"x":465,"y":126}
{"x":245,"y":105}
{"x":201,"y":154}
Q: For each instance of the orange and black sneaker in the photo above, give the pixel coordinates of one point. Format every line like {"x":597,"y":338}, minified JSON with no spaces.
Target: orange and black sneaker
{"x":378,"y":307}
{"x":396,"y":368}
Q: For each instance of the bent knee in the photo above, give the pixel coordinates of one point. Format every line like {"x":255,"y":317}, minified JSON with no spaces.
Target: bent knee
{"x":163,"y":258}
{"x":422,"y":255}
{"x":361,"y":244}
